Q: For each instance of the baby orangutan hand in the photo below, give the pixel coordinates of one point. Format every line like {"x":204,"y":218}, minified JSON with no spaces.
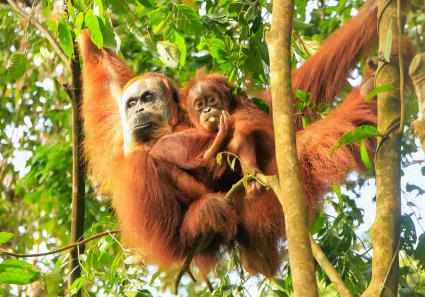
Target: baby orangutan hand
{"x":224,"y":130}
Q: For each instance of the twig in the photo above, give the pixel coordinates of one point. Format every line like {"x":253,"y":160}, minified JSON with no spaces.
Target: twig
{"x":41,"y":28}
{"x":65,"y":248}
{"x":395,"y":256}
{"x":407,"y":164}
{"x":191,"y":275}
{"x":386,"y":135}
{"x":328,"y":268}
{"x":199,"y":243}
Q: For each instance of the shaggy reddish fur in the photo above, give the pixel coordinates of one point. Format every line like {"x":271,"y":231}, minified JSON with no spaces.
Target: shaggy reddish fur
{"x":324,"y":74}
{"x":260,"y":214}
{"x":161,"y":208}
{"x":150,"y":196}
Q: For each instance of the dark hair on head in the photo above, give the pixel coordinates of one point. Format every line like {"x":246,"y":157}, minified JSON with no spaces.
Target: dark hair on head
{"x":218,"y":82}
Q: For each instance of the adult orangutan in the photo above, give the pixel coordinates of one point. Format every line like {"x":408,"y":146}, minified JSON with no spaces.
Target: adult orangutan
{"x":123,"y":118}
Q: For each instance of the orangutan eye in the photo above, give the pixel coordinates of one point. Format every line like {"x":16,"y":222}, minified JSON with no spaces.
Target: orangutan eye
{"x":211,"y":100}
{"x":198,"y":104}
{"x":148,"y":97}
{"x":131,"y":102}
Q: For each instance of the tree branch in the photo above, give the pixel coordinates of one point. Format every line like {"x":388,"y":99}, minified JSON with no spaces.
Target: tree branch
{"x":78,"y":169}
{"x":329,"y":269}
{"x":289,"y":191}
{"x":47,"y":34}
{"x":62,"y":249}
{"x":386,"y":228}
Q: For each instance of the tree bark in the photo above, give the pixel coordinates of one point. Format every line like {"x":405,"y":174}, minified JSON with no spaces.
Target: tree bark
{"x":417,"y":73}
{"x":78,"y":170}
{"x":386,"y":228}
{"x":289,"y":191}
{"x":329,"y":269}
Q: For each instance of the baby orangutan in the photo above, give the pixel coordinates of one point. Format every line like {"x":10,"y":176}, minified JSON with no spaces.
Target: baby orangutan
{"x":212,"y":108}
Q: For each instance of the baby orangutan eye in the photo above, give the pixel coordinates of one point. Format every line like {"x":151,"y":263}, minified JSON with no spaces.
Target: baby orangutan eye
{"x":211,"y":100}
{"x":198,"y":105}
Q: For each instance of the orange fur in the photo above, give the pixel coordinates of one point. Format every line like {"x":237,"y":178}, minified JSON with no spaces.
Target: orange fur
{"x":324,"y":74}
{"x":161,"y":208}
{"x":260,"y":214}
{"x":150,"y":196}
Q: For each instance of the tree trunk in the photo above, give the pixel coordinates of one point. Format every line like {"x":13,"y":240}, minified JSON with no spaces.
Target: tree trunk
{"x":386,"y":228}
{"x":289,"y":191}
{"x":78,"y":171}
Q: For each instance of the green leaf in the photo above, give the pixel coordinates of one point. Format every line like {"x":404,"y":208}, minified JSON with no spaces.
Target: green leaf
{"x":175,"y":37}
{"x":5,"y":237}
{"x":71,"y":10}
{"x":365,"y":157}
{"x":354,"y":135}
{"x":219,"y":158}
{"x":220,"y":54}
{"x":336,"y":188}
{"x":305,"y":121}
{"x":158,"y":18}
{"x":65,"y":38}
{"x":107,"y":33}
{"x":232,"y":164}
{"x":47,"y":7}
{"x":420,"y":249}
{"x":92,"y":23}
{"x":301,"y":94}
{"x":18,"y":66}
{"x":154,"y":277}
{"x":169,"y":53}
{"x":99,"y":5}
{"x":411,"y":187}
{"x":262,"y":104}
{"x":79,"y":22}
{"x":17,"y":272}
{"x":80,"y":5}
{"x":144,"y":293}
{"x":388,"y":43}
{"x":300,"y":26}
{"x":317,"y":225}
{"x":147,"y":3}
{"x":324,"y":108}
{"x":378,"y":90}
{"x":188,"y":21}
{"x":249,"y":13}
{"x":77,"y":285}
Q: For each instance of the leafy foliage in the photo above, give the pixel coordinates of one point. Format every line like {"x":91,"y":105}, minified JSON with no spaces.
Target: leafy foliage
{"x":176,"y":38}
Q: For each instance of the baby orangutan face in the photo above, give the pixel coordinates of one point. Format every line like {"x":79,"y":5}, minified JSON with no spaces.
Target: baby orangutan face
{"x":205,"y":105}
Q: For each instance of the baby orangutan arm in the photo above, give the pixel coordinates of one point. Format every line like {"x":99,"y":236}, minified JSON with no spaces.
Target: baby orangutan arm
{"x":223,"y":134}
{"x":187,"y":184}
{"x":246,"y":153}
{"x":243,"y":145}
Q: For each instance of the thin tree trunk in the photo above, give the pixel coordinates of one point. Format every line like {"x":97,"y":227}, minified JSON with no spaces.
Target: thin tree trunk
{"x":289,"y":191}
{"x":78,"y":171}
{"x":417,"y":73}
{"x":386,"y":228}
